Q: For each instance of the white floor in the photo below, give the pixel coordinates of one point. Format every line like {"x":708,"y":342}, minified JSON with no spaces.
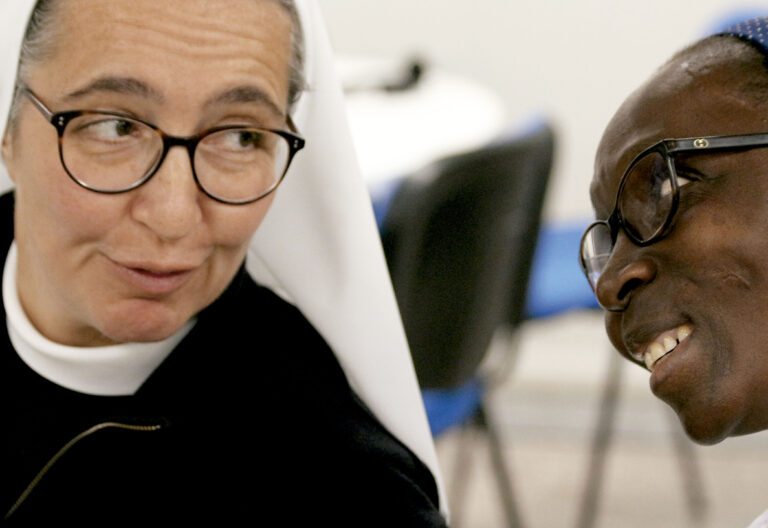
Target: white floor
{"x":547,"y":409}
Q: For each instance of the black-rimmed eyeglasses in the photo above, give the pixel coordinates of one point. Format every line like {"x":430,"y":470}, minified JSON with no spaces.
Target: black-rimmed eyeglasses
{"x":648,"y":197}
{"x":111,"y":153}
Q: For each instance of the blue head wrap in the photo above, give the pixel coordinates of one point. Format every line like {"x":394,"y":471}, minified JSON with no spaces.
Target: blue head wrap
{"x":754,"y":31}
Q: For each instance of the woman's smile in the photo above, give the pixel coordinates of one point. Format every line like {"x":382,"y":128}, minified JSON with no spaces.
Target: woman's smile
{"x":664,"y":368}
{"x":664,"y":344}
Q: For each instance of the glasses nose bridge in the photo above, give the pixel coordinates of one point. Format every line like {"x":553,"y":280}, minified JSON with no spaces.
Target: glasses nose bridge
{"x":189,"y":143}
{"x":615,"y":224}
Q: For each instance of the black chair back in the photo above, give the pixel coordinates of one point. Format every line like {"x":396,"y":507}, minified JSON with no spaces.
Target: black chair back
{"x":459,"y":236}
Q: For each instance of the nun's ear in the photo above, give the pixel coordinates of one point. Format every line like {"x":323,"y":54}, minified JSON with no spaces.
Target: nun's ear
{"x":6,"y":150}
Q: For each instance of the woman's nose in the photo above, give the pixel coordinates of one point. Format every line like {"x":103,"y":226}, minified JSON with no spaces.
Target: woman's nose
{"x":624,"y":273}
{"x":169,"y":203}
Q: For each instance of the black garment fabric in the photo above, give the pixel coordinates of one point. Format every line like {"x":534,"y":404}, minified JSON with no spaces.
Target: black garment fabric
{"x":250,"y":420}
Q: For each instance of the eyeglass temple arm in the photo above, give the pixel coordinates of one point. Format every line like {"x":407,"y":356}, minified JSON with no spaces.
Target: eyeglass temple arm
{"x":38,"y":103}
{"x":291,"y":124}
{"x":719,"y":142}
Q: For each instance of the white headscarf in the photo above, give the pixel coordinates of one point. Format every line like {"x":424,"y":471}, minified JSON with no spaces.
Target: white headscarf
{"x":318,"y":246}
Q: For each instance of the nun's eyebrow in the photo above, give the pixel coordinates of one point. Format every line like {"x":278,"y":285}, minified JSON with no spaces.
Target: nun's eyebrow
{"x":121,"y":85}
{"x":248,"y":94}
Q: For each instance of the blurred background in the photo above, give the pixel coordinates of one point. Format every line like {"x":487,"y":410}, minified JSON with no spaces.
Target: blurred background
{"x":574,"y":61}
{"x":583,"y":440}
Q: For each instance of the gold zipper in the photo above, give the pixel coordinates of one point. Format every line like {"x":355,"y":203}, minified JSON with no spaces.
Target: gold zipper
{"x":67,"y":447}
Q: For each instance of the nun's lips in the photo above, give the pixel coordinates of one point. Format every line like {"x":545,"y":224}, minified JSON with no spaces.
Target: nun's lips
{"x":152,"y":278}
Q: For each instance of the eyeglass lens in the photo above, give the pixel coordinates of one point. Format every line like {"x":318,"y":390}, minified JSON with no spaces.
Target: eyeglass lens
{"x":596,"y":247}
{"x":646,"y":198}
{"x":645,"y":203}
{"x":238,"y":164}
{"x":114,"y":153}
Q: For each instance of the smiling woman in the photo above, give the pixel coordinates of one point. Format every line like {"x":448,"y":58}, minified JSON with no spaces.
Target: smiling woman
{"x":144,"y":373}
{"x":679,"y":264}
{"x":678,"y":256}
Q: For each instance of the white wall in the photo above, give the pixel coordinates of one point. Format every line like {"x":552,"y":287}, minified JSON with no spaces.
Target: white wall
{"x":576,"y":60}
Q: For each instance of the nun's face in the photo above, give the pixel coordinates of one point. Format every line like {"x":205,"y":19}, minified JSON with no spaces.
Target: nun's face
{"x":96,"y":268}
{"x":708,"y":277}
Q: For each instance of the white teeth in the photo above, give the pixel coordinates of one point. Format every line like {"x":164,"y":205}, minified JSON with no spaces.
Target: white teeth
{"x":653,"y":354}
{"x":664,"y":346}
{"x":648,"y":361}
{"x":683,"y":332}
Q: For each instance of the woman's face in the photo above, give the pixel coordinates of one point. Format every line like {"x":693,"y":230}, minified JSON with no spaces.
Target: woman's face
{"x":98,"y":269}
{"x":710,"y":274}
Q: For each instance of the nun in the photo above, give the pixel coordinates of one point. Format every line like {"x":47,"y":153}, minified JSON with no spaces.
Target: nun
{"x":184,"y":340}
{"x":677,"y":256}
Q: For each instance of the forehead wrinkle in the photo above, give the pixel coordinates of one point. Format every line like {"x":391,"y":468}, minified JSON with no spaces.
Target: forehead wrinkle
{"x":203,"y":30}
{"x":183,"y":39}
{"x":193,"y":32}
{"x":193,"y":36}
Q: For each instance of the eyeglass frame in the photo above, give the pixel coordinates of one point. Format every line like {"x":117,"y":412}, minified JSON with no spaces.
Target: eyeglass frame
{"x":60,"y":120}
{"x":667,"y":148}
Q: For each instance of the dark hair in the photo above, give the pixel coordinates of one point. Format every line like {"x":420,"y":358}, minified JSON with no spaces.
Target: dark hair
{"x":42,"y":34}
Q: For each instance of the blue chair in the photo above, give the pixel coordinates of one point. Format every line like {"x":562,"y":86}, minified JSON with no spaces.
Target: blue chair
{"x":557,"y":283}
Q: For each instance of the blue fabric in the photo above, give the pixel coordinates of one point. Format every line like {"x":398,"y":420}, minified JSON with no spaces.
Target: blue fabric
{"x":734,"y":16}
{"x":557,"y":283}
{"x":381,"y":197}
{"x":754,"y":30}
{"x":450,"y":407}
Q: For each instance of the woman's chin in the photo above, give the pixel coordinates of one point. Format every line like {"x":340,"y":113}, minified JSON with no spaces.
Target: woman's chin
{"x":704,"y":436}
{"x":136,"y":335}
{"x":145,"y":327}
{"x":707,"y":429}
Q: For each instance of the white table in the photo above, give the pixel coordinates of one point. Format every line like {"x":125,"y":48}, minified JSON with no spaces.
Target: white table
{"x":397,"y":132}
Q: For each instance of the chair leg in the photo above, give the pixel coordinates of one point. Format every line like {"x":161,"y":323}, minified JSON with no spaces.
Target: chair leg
{"x":460,"y":473}
{"x":500,"y":466}
{"x":600,"y":443}
{"x":690,"y":471}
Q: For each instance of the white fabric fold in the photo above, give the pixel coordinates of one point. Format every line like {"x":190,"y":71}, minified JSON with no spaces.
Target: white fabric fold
{"x":318,"y":246}
{"x":760,"y":522}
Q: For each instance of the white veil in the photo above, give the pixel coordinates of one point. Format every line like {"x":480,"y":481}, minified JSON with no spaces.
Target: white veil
{"x":318,"y":246}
